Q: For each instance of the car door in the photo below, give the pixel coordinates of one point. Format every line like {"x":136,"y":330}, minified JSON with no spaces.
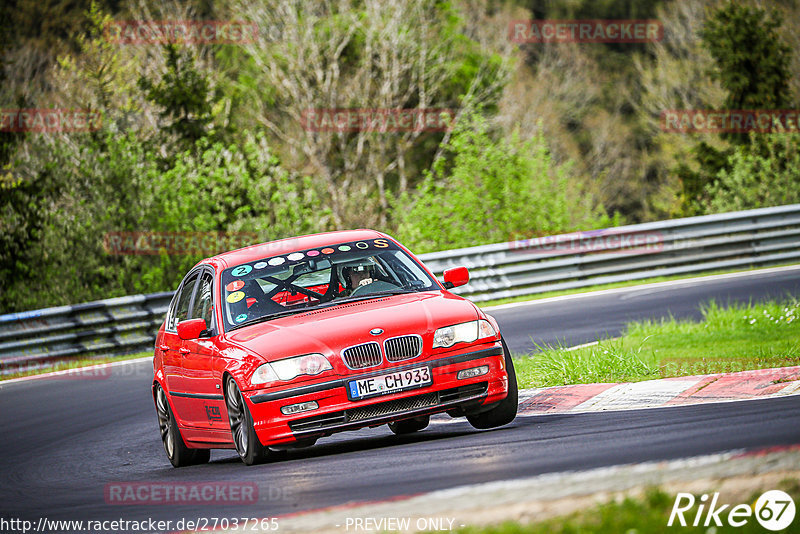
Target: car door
{"x":170,"y":343}
{"x":205,"y":406}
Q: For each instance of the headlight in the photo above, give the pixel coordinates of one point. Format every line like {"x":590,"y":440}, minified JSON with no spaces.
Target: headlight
{"x":308,"y":364}
{"x":463,"y":333}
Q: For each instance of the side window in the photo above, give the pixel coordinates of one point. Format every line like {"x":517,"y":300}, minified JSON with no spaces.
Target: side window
{"x":181,"y":312}
{"x":201,"y":309}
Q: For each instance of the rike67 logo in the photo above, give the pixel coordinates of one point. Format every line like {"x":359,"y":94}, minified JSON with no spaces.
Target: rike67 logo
{"x":774,"y":510}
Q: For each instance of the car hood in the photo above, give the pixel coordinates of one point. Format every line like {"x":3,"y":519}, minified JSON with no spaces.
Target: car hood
{"x":330,"y":330}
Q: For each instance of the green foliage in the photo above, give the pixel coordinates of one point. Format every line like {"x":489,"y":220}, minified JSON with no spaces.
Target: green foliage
{"x":485,"y":191}
{"x":116,"y":184}
{"x":752,"y":62}
{"x":184,"y":96}
{"x":728,"y":339}
{"x":764,"y":173}
{"x":752,"y":65}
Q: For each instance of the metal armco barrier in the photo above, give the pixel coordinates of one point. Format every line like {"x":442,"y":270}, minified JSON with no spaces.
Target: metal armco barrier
{"x":766,"y":236}
{"x":113,"y":326}
{"x":743,"y":239}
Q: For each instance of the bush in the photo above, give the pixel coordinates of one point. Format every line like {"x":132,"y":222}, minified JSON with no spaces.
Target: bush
{"x":485,"y":191}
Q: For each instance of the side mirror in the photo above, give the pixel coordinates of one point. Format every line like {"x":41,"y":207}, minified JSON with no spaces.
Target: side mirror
{"x":457,"y":276}
{"x":191,"y":329}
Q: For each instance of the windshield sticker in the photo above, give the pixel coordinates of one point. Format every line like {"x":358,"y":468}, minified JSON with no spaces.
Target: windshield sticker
{"x":236,"y":285}
{"x":241,"y":270}
{"x":235,"y":297}
{"x":241,"y":317}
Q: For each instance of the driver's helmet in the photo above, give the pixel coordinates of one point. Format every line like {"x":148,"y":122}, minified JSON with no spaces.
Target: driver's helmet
{"x":363,"y":265}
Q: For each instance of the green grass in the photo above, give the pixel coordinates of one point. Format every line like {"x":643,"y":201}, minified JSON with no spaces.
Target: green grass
{"x":649,"y":513}
{"x":74,"y":364}
{"x":630,"y":283}
{"x":737,"y":338}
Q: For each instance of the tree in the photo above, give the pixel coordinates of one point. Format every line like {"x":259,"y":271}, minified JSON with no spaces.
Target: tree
{"x":487,"y":191}
{"x":751,"y":62}
{"x":363,"y":55}
{"x":769,"y":176}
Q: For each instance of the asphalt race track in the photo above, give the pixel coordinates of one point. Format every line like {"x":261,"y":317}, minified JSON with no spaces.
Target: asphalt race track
{"x":65,"y":439}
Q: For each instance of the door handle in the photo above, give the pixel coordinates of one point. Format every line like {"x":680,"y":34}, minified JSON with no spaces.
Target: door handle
{"x":165,"y":348}
{"x":184,"y":350}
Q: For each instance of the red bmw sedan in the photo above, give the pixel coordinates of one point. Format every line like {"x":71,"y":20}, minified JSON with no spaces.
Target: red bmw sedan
{"x":276,"y":345}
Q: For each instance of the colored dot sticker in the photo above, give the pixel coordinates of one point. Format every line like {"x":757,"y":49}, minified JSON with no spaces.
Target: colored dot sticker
{"x":260,"y":265}
{"x":294,"y":256}
{"x":235,"y":297}
{"x":362,"y":245}
{"x":276,"y":261}
{"x":236,"y":285}
{"x":241,"y":317}
{"x":344,"y":248}
{"x":312,"y":253}
{"x":241,"y":270}
{"x":327,"y":250}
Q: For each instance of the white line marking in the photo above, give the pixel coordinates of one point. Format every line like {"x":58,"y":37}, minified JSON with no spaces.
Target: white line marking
{"x":636,"y":395}
{"x":669,"y":283}
{"x":583,"y":346}
{"x":75,"y":370}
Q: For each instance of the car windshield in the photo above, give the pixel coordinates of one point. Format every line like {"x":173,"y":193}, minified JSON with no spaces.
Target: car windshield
{"x":275,"y":286}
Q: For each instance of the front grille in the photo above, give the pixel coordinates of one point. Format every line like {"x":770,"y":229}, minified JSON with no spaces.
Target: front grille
{"x":362,"y":356}
{"x":402,"y":348}
{"x":380,"y":409}
{"x":395,"y":406}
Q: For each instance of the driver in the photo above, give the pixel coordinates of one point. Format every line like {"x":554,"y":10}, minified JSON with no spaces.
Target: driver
{"x":357,"y":273}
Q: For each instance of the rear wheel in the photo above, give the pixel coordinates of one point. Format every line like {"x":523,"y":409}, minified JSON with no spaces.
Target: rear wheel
{"x":408,"y":426}
{"x":178,"y":453}
{"x":250,"y":449}
{"x":506,"y":410}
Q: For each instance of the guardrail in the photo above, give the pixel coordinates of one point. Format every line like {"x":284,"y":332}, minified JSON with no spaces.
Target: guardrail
{"x":760,"y":237}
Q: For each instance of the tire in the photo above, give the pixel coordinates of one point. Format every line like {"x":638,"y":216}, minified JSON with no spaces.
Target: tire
{"x":506,"y":410}
{"x":409,"y":426}
{"x":247,"y":444}
{"x":178,"y":453}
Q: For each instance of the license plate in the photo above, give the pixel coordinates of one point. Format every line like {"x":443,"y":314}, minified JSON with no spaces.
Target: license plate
{"x":389,"y":383}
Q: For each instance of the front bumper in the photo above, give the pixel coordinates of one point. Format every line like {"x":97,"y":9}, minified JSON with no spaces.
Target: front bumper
{"x":337,"y":413}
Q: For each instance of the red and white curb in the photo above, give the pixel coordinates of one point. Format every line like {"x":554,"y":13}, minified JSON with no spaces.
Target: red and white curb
{"x":701,"y":389}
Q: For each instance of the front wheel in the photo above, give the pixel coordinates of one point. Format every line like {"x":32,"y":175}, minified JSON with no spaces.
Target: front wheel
{"x":408,"y":426}
{"x":506,"y":410}
{"x":250,"y":449}
{"x":178,"y":453}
